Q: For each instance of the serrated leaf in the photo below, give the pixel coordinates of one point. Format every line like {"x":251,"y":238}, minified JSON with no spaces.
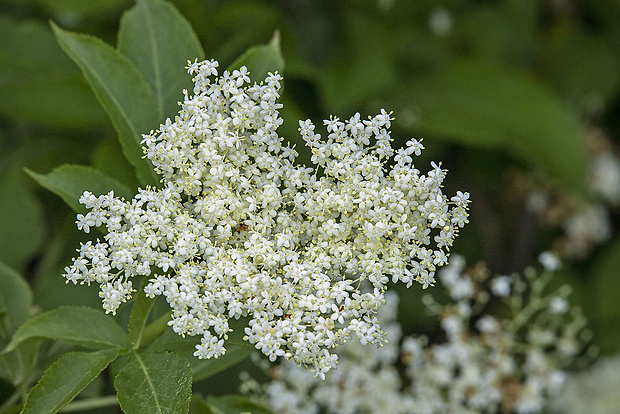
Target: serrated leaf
{"x":121,"y":90}
{"x":262,"y":59}
{"x":63,"y":99}
{"x":15,"y":300}
{"x":70,"y":181}
{"x":154,"y":384}
{"x":64,"y":380}
{"x":159,"y":41}
{"x":77,"y":325}
{"x":22,"y":223}
{"x":235,"y":404}
{"x":484,"y":105}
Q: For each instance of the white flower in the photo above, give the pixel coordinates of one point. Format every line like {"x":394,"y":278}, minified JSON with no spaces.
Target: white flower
{"x":605,"y":178}
{"x":550,"y":261}
{"x":440,"y":22}
{"x":488,"y":324}
{"x":501,"y":285}
{"x":558,"y":305}
{"x":238,"y":230}
{"x":587,"y":226}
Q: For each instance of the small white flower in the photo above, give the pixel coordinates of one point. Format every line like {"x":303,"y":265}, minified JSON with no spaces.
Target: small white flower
{"x":558,"y":305}
{"x":500,"y":286}
{"x":440,"y":22}
{"x":416,"y":146}
{"x":550,"y":261}
{"x":488,"y":324}
{"x":606,"y":177}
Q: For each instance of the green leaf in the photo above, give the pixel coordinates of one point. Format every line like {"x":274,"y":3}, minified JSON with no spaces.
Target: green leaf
{"x":139,"y":313}
{"x":70,"y":181}
{"x":15,"y":300}
{"x":260,"y":60}
{"x":42,"y":152}
{"x":170,"y":341}
{"x":156,"y":328}
{"x":591,"y":80}
{"x":39,"y":83}
{"x":237,"y":350}
{"x":105,"y":158}
{"x":154,"y":384}
{"x":235,"y":404}
{"x":159,"y":41}
{"x":513,"y":25}
{"x":64,"y":380}
{"x":22,"y":223}
{"x":80,"y":10}
{"x":485,"y":105}
{"x":77,"y":325}
{"x":205,"y":368}
{"x":121,"y":90}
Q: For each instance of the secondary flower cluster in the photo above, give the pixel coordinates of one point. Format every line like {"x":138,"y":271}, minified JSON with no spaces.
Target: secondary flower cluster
{"x":507,"y":358}
{"x":238,"y":229}
{"x":592,"y":391}
{"x":585,"y":223}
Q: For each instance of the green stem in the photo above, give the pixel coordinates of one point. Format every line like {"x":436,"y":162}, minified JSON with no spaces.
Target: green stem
{"x":140,"y":312}
{"x":90,"y":403}
{"x":9,"y":404}
{"x":522,"y":314}
{"x":155,"y":329}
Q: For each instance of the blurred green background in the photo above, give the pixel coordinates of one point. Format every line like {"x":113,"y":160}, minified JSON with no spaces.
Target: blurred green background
{"x":517,"y":98}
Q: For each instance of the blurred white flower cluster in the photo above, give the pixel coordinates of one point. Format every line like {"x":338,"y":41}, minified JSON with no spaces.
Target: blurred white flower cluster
{"x":239,"y":230}
{"x":592,"y":391}
{"x":585,"y":223}
{"x":503,"y":348}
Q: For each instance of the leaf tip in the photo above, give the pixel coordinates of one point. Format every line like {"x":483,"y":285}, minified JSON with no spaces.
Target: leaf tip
{"x":55,"y":28}
{"x":275,"y":39}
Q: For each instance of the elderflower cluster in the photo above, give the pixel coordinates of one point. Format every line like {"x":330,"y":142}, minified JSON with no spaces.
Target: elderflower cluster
{"x":239,"y":230}
{"x":508,"y":358}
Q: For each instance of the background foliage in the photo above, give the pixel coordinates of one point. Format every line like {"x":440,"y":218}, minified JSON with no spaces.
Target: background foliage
{"x":504,"y":93}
